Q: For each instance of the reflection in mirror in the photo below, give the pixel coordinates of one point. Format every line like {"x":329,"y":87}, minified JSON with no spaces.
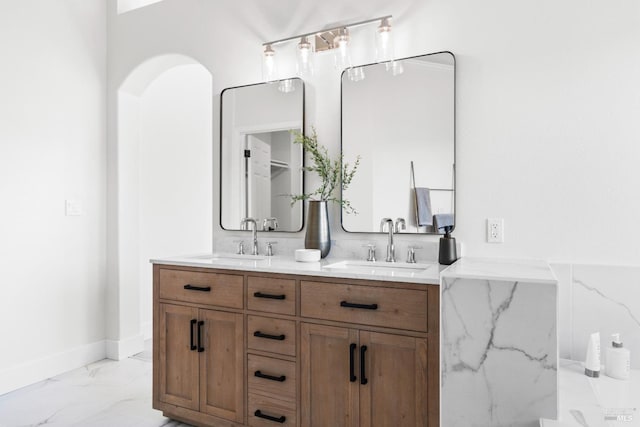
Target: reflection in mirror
{"x":260,"y":166}
{"x":400,"y":118}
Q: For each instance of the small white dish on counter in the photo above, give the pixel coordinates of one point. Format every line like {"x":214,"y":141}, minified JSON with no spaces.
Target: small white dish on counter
{"x":307,"y":255}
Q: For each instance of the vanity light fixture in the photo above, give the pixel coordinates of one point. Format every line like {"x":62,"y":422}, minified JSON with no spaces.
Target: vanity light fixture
{"x":384,"y":42}
{"x":337,"y":39}
{"x":304,"y":58}
{"x":341,"y":45}
{"x":268,"y":63}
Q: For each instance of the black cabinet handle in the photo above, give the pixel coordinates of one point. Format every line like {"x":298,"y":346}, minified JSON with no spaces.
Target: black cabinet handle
{"x":363,"y":379}
{"x":280,"y":420}
{"x":269,"y":296}
{"x":280,"y":379}
{"x":355,"y":305}
{"x":193,"y":344}
{"x":198,"y":288}
{"x":352,"y":375}
{"x":270,"y":337}
{"x":200,"y":347}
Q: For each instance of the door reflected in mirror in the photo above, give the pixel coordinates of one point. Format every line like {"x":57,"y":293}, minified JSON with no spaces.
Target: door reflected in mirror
{"x":260,"y":165}
{"x":400,"y":118}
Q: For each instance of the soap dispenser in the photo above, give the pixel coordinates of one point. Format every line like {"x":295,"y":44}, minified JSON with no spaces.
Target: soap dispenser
{"x":448,"y":253}
{"x":618,"y":361}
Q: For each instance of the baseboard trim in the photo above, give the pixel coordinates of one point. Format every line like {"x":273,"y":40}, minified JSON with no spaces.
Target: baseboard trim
{"x":34,"y":371}
{"x":119,"y":350}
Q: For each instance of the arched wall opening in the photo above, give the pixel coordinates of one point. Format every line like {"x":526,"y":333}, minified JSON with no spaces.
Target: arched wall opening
{"x":164,"y":184}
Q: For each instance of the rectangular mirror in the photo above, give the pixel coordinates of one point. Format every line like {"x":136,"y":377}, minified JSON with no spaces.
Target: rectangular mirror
{"x":259,"y":164}
{"x":400,"y":118}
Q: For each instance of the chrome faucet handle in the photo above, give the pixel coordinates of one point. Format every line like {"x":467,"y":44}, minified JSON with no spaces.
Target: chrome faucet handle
{"x":270,"y":224}
{"x":240,"y":250}
{"x":371,"y":253}
{"x":400,"y":225}
{"x":411,"y":254}
{"x":384,"y":221}
{"x":269,"y":248}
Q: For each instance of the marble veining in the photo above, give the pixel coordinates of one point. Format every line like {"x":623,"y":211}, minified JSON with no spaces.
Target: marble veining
{"x":498,"y":351}
{"x":604,"y":299}
{"x":106,"y":393}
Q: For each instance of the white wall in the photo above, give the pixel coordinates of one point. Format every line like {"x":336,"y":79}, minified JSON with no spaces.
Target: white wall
{"x":52,"y":148}
{"x":547,"y":96}
{"x":174,"y":155}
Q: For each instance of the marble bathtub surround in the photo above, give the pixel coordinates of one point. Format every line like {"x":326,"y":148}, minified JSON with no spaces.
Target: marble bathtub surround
{"x":587,"y":401}
{"x":498,"y":343}
{"x":600,"y":298}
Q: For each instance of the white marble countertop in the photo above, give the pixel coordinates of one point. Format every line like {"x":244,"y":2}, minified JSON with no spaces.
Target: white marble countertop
{"x":533,"y":271}
{"x":595,"y":402}
{"x":287,"y":265}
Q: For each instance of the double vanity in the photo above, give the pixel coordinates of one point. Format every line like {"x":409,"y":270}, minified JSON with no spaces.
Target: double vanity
{"x":242,"y":340}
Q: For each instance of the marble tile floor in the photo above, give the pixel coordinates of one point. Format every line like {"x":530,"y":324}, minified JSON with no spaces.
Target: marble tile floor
{"x":106,"y":393}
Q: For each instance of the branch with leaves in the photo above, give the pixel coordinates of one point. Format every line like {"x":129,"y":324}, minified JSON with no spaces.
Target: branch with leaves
{"x":332,"y":173}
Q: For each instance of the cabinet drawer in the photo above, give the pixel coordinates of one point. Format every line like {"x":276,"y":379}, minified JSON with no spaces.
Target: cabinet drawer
{"x":261,"y":407}
{"x":271,"y":295}
{"x":389,"y":307}
{"x":223,"y":290}
{"x":272,"y":377}
{"x":273,"y":335}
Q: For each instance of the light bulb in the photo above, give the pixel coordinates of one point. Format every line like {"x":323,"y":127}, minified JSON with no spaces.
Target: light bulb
{"x":341,"y":44}
{"x":268,"y":63}
{"x":384,"y":42}
{"x":304,"y":58}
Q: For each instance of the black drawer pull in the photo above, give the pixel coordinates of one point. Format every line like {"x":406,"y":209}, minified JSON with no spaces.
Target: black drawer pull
{"x":198,"y":288}
{"x":355,"y":305}
{"x":363,"y":379}
{"x":270,"y":337}
{"x":269,"y":296}
{"x":280,"y":379}
{"x":200,"y":347}
{"x":280,"y":420}
{"x":193,"y":344}
{"x":352,"y":375}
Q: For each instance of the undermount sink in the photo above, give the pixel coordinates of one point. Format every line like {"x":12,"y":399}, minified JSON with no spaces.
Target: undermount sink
{"x":230,"y":258}
{"x":379,"y":268}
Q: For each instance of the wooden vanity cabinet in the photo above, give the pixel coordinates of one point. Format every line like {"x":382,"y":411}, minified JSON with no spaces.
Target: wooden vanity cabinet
{"x":355,"y":377}
{"x":291,"y":350}
{"x":198,"y":352}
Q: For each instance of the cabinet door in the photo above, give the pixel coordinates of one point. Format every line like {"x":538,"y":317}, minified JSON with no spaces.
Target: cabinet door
{"x":178,"y":361}
{"x":221,"y":365}
{"x":329,"y":396}
{"x":396,"y":390}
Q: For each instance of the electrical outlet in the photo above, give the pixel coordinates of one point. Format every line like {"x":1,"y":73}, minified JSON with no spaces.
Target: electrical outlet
{"x":495,"y":230}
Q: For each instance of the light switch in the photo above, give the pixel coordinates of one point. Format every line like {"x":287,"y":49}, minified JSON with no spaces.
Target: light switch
{"x":73,"y":208}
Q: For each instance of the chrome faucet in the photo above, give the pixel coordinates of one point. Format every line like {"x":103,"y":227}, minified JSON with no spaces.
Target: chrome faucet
{"x":400,"y":225}
{"x":391,"y":250}
{"x":243,"y":224}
